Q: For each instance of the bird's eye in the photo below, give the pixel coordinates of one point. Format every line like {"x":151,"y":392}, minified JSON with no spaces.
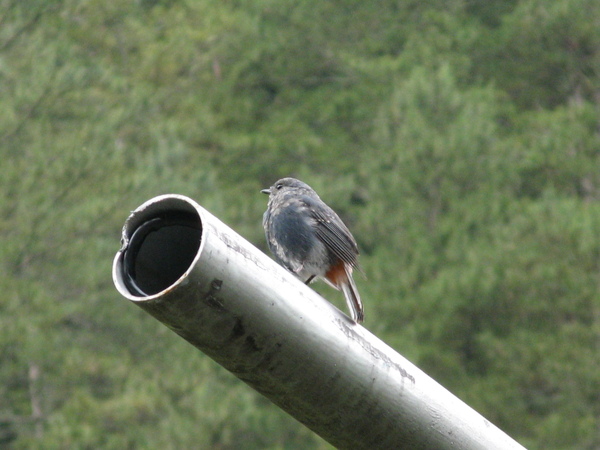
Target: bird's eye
{"x":279,"y":186}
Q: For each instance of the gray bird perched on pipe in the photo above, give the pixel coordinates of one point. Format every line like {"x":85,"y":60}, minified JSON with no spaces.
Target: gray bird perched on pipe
{"x":309,"y":239}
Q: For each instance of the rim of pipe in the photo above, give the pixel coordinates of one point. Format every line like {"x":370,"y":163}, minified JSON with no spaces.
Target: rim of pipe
{"x":167,"y":218}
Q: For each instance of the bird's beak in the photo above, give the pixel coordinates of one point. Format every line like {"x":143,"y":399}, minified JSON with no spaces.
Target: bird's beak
{"x":266,"y":191}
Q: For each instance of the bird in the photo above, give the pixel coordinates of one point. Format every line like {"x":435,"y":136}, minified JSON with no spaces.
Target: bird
{"x":309,"y":239}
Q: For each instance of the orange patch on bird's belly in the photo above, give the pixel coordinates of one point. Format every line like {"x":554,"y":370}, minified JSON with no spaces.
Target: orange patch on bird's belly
{"x":337,"y":274}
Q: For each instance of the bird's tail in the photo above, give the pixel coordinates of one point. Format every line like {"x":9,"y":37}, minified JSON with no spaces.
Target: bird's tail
{"x":340,"y":277}
{"x":352,"y":298}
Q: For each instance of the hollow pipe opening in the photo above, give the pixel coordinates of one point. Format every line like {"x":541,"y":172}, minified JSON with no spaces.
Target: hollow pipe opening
{"x":161,"y":240}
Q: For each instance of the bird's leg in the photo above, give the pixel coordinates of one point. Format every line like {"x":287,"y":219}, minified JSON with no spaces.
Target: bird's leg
{"x":309,"y":279}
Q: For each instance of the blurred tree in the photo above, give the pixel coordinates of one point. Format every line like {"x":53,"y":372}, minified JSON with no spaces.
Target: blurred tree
{"x":458,"y":140}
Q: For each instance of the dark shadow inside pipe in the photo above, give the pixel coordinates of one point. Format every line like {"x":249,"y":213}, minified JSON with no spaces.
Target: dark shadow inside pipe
{"x":160,"y":251}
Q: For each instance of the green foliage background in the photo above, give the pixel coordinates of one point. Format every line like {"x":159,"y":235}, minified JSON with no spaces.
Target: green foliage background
{"x":459,"y":140}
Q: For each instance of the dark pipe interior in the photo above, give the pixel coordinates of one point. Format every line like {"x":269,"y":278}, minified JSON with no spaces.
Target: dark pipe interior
{"x":160,"y":250}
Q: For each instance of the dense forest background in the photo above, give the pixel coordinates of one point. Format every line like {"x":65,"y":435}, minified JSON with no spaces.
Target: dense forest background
{"x":459,"y":140}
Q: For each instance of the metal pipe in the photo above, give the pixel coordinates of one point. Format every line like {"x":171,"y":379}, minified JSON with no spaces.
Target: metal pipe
{"x":190,"y":271}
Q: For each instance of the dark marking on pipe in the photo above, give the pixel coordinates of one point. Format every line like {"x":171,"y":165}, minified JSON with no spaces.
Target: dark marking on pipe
{"x":250,"y":344}
{"x":211,"y":298}
{"x":237,"y":330}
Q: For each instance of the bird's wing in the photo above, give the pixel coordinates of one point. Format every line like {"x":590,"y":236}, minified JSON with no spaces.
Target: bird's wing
{"x":330,"y":230}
